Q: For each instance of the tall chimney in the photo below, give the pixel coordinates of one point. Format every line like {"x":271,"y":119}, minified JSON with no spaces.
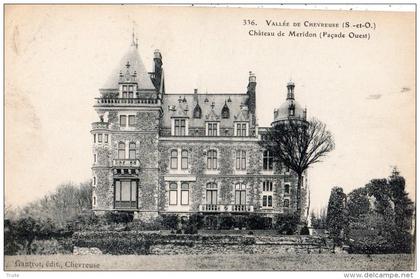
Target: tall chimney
{"x":157,"y":78}
{"x":251,"y":102}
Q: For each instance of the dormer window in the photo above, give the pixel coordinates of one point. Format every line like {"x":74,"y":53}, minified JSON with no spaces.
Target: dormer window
{"x":212,"y":129}
{"x":127,"y":91}
{"x":241,"y":129}
{"x":197,"y":112}
{"x":225,"y":112}
{"x":180,"y":127}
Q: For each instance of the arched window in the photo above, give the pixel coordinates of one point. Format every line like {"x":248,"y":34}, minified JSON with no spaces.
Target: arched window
{"x":173,"y":193}
{"x":212,"y":159}
{"x":174,"y":159}
{"x":240,"y":194}
{"x":121,"y":150}
{"x":197,"y":112}
{"x":132,"y":150}
{"x":184,"y":159}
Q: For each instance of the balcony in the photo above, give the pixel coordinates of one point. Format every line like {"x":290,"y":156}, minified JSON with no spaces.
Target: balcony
{"x":124,"y":101}
{"x":226,"y":208}
{"x":133,"y":163}
{"x":100,"y":125}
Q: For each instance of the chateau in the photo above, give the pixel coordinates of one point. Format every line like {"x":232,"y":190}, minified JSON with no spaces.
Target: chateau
{"x":160,"y":153}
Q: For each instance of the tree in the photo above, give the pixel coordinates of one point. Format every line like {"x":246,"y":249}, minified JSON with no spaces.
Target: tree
{"x":336,"y":214}
{"x":358,"y":203}
{"x":298,"y":144}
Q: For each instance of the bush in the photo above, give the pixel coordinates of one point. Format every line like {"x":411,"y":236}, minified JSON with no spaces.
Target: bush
{"x":50,"y":247}
{"x":257,"y":222}
{"x":286,"y":224}
{"x":119,"y":217}
{"x":304,"y":230}
{"x":115,"y":243}
{"x":169,"y":221}
{"x":226,"y":222}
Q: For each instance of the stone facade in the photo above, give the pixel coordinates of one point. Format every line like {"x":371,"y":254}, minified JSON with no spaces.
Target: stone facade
{"x":159,"y":153}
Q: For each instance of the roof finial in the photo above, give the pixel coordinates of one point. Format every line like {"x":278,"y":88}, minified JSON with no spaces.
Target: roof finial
{"x":135,"y":41}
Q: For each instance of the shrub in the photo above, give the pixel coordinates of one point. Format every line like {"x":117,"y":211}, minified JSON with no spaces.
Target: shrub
{"x":286,"y":224}
{"x":226,"y":222}
{"x":50,"y":247}
{"x":257,"y":222}
{"x":304,"y":230}
{"x":169,"y":221}
{"x":119,"y":217}
{"x":114,"y":242}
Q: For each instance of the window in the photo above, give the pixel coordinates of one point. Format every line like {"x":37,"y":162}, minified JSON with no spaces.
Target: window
{"x":94,"y":158}
{"x":184,"y":159}
{"x":267,"y":194}
{"x":94,"y":200}
{"x":267,"y":201}
{"x":121,"y":150}
{"x":240,"y":160}
{"x":225,"y":111}
{"x":173,"y":193}
{"x":125,"y":193}
{"x":291,"y":111}
{"x":94,"y":180}
{"x":212,"y":159}
{"x":212,"y":129}
{"x":241,"y":129}
{"x":123,"y":120}
{"x":268,"y":186}
{"x":132,"y":150}
{"x":124,"y":91}
{"x":267,"y":160}
{"x":287,"y":189}
{"x":211,"y":193}
{"x":130,"y":91}
{"x":131,"y":120}
{"x":180,"y":127}
{"x":185,"y":193}
{"x":286,"y":203}
{"x":94,"y":138}
{"x":106,"y":138}
{"x":99,"y":138}
{"x":174,"y":159}
{"x":240,"y":194}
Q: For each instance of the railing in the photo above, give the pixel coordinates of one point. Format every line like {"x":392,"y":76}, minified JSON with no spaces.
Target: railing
{"x":126,"y":163}
{"x":128,"y":101}
{"x":226,"y":208}
{"x":100,"y":125}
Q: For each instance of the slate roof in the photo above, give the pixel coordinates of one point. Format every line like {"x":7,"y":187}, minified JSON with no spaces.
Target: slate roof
{"x":136,"y":64}
{"x":171,"y":101}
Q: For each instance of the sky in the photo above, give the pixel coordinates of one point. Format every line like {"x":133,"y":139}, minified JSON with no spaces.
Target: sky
{"x":57,"y":58}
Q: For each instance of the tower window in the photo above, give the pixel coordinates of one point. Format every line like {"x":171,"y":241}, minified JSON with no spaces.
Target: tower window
{"x":99,"y":138}
{"x":123,"y":120}
{"x":106,"y":138}
{"x":286,"y":203}
{"x":94,"y":138}
{"x":131,"y":120}
{"x":287,"y":189}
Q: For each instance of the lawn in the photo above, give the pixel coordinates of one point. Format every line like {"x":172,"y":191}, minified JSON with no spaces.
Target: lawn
{"x":390,"y":262}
